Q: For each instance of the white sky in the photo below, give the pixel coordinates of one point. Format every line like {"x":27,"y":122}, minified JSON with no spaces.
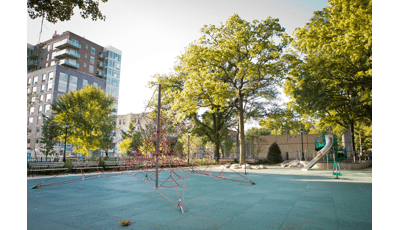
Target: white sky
{"x":152,"y":33}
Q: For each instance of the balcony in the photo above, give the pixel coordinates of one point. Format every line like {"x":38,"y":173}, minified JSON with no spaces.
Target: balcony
{"x":100,"y":74}
{"x":67,"y":44}
{"x":101,"y":56}
{"x":67,"y":53}
{"x":101,"y":65}
{"x":33,"y":55}
{"x":32,"y":63}
{"x":69,"y":63}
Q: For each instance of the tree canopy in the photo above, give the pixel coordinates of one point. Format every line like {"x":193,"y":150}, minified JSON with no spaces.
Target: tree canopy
{"x":50,"y":131}
{"x":237,"y":64}
{"x":332,"y":75}
{"x":89,"y":115}
{"x":62,"y":10}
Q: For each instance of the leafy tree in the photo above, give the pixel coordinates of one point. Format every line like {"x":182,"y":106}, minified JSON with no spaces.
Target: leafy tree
{"x":253,"y":139}
{"x":88,"y":113}
{"x":106,"y":139}
{"x":125,"y":146}
{"x":333,"y":77}
{"x":274,"y":154}
{"x":288,"y":121}
{"x":211,"y":124}
{"x":50,"y":131}
{"x":192,"y":143}
{"x":63,"y":9}
{"x":235,"y":65}
{"x":214,"y":127}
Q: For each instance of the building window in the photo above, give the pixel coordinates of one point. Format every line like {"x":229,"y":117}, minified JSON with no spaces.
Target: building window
{"x":53,"y":63}
{"x":32,"y":110}
{"x":85,"y":83}
{"x":95,"y":84}
{"x":62,"y":83}
{"x":44,"y":77}
{"x":91,"y":68}
{"x":29,"y":131}
{"x":47,"y":108}
{"x":50,"y":86}
{"x":33,"y":99}
{"x":41,"y":58}
{"x":28,"y":141}
{"x":41,"y":97}
{"x":84,"y":64}
{"x":87,"y":47}
{"x":119,"y":121}
{"x":48,"y":97}
{"x":47,"y":64}
{"x":93,"y":50}
{"x":73,"y":83}
{"x":91,"y":59}
{"x":85,"y":55}
{"x":37,"y":141}
{"x":38,"y":119}
{"x":48,"y":47}
{"x":123,"y":122}
{"x":43,"y":87}
{"x":48,"y":56}
{"x":37,"y":130}
{"x":35,"y":80}
{"x":51,"y":75}
{"x":29,"y":81}
{"x":29,"y":90}
{"x":30,"y":120}
{"x":40,"y":108}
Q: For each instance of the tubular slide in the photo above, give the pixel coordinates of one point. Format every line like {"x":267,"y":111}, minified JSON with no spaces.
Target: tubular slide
{"x":321,"y":153}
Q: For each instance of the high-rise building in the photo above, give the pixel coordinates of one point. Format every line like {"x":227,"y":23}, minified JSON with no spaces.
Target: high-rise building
{"x":64,"y":63}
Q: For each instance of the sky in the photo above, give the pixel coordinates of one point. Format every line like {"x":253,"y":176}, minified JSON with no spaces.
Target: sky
{"x":152,"y":33}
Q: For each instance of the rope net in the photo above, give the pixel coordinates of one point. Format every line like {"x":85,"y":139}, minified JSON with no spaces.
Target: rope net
{"x":173,"y":169}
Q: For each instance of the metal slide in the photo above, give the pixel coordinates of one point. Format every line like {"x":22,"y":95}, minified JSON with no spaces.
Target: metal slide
{"x":321,"y":153}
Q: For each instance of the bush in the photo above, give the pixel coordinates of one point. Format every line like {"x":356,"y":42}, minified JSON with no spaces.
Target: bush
{"x":68,"y":163}
{"x":274,"y":154}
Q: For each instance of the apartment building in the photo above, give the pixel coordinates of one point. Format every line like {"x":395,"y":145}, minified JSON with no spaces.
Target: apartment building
{"x":123,"y":121}
{"x":64,"y":63}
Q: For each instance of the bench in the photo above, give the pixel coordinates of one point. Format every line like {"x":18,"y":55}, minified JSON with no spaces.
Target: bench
{"x":227,"y":160}
{"x":85,"y":165}
{"x":46,"y":167}
{"x":231,"y":160}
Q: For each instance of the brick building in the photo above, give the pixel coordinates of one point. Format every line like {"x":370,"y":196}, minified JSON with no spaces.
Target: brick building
{"x":61,"y":64}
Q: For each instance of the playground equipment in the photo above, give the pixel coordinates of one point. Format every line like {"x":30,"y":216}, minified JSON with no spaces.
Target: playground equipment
{"x":329,"y":139}
{"x":167,"y":168}
{"x":327,"y":146}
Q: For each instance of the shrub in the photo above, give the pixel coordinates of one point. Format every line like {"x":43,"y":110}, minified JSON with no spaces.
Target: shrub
{"x":68,"y":163}
{"x":274,"y":154}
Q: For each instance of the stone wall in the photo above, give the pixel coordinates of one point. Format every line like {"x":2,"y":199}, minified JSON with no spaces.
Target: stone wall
{"x":292,"y":144}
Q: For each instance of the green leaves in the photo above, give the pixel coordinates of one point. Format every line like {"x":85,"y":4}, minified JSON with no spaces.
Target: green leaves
{"x":88,"y":112}
{"x":54,"y":11}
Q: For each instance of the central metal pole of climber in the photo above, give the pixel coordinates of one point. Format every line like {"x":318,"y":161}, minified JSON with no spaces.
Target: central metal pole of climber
{"x":158,"y":132}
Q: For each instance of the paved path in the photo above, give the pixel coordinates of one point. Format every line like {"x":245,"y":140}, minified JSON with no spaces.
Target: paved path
{"x":281,"y":199}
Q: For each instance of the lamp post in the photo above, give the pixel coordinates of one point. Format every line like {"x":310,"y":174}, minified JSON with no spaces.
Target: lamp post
{"x":302,"y":151}
{"x":65,"y":141}
{"x":188,"y":146}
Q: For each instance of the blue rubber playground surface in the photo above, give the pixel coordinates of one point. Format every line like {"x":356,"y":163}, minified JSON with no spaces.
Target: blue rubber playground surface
{"x":282,"y":198}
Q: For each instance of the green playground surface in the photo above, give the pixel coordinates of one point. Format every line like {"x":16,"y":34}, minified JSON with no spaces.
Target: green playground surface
{"x":282,"y":198}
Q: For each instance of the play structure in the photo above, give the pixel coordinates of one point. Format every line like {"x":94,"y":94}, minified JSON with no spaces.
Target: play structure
{"x":159,"y":161}
{"x":329,"y":150}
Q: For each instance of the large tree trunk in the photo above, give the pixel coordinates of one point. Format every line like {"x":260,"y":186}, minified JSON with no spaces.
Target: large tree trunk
{"x":222,"y":151}
{"x":353,"y":147}
{"x":216,"y":138}
{"x":241,"y":132}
